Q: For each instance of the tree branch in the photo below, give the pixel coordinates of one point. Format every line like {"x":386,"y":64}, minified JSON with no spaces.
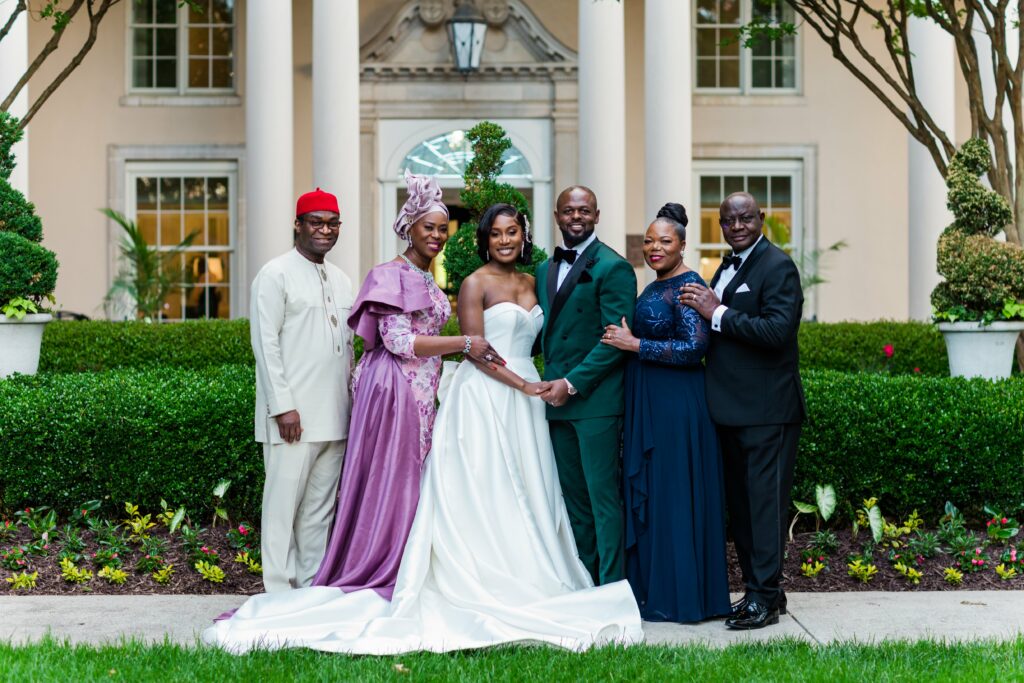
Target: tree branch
{"x":18,"y":9}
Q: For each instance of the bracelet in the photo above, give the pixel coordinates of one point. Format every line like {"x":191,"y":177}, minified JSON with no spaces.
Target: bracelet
{"x":469,"y":345}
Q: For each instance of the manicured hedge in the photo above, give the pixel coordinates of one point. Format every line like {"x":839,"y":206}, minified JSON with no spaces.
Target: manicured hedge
{"x":142,"y":435}
{"x":129,"y":435}
{"x":100,"y":345}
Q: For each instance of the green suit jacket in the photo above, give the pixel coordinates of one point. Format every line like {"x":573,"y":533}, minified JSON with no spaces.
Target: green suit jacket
{"x":600,"y":289}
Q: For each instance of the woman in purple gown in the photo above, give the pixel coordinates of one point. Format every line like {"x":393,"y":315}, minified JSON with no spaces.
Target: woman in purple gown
{"x":399,"y":313}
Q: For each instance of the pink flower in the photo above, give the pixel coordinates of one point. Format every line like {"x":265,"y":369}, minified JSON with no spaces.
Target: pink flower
{"x":977,"y":551}
{"x":917,"y":370}
{"x":205,"y":549}
{"x":1004,"y":520}
{"x":888,"y":350}
{"x":242,"y":530}
{"x":989,"y":522}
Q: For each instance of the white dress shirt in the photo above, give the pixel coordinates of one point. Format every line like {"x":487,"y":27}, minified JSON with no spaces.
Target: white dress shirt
{"x":723,"y":281}
{"x":564,"y":267}
{"x":300,"y":337}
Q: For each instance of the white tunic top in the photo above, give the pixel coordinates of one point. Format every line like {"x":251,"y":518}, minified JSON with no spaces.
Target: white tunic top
{"x":303,"y":347}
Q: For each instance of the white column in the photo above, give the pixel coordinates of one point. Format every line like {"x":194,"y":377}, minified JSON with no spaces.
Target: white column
{"x":602,"y":83}
{"x":270,"y":192}
{"x":13,"y":62}
{"x":668,"y":114}
{"x":336,"y":121}
{"x":934,"y":72}
{"x":543,"y":209}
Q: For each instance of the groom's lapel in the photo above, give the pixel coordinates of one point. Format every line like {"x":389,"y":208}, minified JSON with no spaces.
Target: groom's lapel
{"x":552,"y":285}
{"x":584,"y":261}
{"x":748,"y":264}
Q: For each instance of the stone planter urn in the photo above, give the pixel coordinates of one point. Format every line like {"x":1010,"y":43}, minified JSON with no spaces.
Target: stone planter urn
{"x":981,"y":351}
{"x":19,"y":343}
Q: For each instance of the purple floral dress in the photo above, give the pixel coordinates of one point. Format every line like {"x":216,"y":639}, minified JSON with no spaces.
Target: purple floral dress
{"x":393,"y":412}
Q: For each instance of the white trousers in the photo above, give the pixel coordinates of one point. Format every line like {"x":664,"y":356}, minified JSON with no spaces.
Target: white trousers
{"x":298,"y":502}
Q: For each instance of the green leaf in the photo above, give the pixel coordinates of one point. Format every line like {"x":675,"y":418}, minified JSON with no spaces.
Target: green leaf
{"x":877,"y":522}
{"x":221,"y":512}
{"x":176,"y":520}
{"x":825,"y":496}
{"x":221,"y":488}
{"x":805,"y":508}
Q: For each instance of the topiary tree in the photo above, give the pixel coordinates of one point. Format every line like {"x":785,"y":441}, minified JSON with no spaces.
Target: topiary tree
{"x":984,"y":279}
{"x":480,"y":191}
{"x":28,"y":271}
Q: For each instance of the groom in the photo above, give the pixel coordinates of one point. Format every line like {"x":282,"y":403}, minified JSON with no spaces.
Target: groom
{"x":582,"y":288}
{"x":755,"y":397}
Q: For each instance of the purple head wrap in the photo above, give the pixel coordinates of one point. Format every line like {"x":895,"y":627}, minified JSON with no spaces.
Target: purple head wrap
{"x":424,"y":198}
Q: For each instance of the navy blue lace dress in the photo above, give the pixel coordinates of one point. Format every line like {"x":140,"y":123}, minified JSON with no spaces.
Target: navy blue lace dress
{"x":675,"y":516}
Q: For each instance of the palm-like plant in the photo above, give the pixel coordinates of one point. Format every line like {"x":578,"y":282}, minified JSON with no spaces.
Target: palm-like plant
{"x":147,"y":274}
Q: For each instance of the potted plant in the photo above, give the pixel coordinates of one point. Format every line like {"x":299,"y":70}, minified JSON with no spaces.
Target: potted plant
{"x":28,"y":271}
{"x":979,"y":306}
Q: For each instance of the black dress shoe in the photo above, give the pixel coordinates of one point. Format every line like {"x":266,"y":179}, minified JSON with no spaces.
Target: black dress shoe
{"x":755,"y":615}
{"x":742,"y":603}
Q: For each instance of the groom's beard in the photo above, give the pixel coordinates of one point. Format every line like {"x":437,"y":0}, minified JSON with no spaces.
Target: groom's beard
{"x":571,"y":240}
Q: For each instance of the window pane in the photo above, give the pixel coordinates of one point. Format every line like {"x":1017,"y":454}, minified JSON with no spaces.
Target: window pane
{"x":172,"y":306}
{"x":763,"y":10}
{"x":757,"y":185}
{"x":732,"y":183}
{"x":707,"y":42}
{"x":710,"y":231}
{"x":222,"y":73}
{"x":199,"y":41}
{"x":142,"y":42}
{"x":762,"y":47}
{"x":170,"y":193}
{"x":221,"y":43}
{"x":761,"y":73}
{"x":217,"y":226}
{"x":198,"y":73}
{"x":729,"y":44}
{"x":194,"y":224}
{"x":710,"y":191}
{"x":710,"y":259}
{"x":142,"y":73}
{"x":729,"y":12}
{"x":166,"y":73}
{"x":217,"y":193}
{"x":707,"y":12}
{"x":166,"y":42}
{"x":145,"y":194}
{"x":222,"y":12}
{"x":142,"y":11}
{"x":170,"y":228}
{"x":787,"y":46}
{"x":706,"y":74}
{"x":167,"y":11}
{"x":199,"y":12}
{"x":195,"y":193}
{"x":146,"y":223}
{"x":782,"y":195}
{"x":729,"y":73}
{"x":785,"y":73}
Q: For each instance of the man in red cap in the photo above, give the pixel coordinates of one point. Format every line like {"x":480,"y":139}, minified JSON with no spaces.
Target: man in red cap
{"x":303,"y":349}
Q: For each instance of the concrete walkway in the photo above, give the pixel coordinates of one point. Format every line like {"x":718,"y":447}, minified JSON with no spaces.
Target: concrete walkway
{"x":814,"y":617}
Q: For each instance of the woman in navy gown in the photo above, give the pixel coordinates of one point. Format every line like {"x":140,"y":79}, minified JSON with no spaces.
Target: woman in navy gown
{"x":672,"y":473}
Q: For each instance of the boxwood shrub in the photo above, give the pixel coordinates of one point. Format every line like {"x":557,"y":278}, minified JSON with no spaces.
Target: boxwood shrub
{"x":143,"y":435}
{"x":100,"y":345}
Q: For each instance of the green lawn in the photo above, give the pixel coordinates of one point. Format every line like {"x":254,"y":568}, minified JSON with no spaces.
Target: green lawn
{"x":778,"y":661}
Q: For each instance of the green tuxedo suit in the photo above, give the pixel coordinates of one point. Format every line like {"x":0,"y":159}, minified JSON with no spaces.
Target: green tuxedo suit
{"x":586,"y":432}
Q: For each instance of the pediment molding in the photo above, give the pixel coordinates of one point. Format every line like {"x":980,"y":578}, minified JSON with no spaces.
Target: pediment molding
{"x":414,"y":43}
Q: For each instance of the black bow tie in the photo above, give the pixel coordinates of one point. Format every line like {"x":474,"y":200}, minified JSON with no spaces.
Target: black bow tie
{"x":733,"y":261}
{"x":567,"y":255}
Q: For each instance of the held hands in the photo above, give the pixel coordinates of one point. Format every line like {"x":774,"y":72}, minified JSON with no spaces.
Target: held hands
{"x":620,"y":337}
{"x":699,"y":298}
{"x":556,"y":394}
{"x":535,"y":388}
{"x":481,"y":351}
{"x":289,"y":426}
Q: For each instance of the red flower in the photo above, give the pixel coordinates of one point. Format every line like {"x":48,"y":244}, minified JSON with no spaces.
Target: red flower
{"x":1004,"y":521}
{"x":888,"y":350}
{"x":989,"y":522}
{"x":917,"y":370}
{"x":242,"y":530}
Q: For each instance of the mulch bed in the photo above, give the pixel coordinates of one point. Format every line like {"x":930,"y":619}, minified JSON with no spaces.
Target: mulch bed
{"x":238,"y":581}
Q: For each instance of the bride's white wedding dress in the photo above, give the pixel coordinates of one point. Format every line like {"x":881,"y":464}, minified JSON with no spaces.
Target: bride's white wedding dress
{"x":490,"y":558}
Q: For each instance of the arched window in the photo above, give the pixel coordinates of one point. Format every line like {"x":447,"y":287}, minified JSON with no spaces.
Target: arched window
{"x":446,"y":156}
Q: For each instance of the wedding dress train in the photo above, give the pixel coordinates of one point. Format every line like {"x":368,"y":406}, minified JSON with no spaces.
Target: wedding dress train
{"x":490,"y":557}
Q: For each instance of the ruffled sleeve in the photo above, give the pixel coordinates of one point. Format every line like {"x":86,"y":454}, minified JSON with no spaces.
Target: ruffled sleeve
{"x":389,"y":290}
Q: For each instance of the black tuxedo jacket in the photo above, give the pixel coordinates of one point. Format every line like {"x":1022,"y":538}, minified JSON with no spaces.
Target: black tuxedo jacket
{"x":753,"y":375}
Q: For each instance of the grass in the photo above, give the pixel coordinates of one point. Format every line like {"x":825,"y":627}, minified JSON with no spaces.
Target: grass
{"x":782,"y":660}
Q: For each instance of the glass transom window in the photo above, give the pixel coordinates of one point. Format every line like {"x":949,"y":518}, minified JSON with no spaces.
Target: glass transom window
{"x":721,"y":63}
{"x":446,"y":156}
{"x":170,"y":202}
{"x":183,"y":49}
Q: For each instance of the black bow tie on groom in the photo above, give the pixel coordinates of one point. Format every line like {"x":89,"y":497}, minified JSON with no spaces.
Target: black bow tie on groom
{"x":567,"y":255}
{"x":733,"y":261}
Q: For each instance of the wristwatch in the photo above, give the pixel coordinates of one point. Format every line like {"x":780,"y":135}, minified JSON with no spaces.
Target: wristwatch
{"x":572,"y":389}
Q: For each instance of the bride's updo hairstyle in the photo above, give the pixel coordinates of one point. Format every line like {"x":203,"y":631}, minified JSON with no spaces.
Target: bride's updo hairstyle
{"x":483,"y":231}
{"x":675,"y":215}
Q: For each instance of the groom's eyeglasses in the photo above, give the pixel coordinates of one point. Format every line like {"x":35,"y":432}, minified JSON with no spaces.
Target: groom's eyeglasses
{"x":746,"y":219}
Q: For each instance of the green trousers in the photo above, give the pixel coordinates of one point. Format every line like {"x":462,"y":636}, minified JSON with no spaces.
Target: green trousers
{"x":588,"y":456}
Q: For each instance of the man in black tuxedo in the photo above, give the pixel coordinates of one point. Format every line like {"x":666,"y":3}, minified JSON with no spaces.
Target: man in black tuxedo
{"x":755,"y":398}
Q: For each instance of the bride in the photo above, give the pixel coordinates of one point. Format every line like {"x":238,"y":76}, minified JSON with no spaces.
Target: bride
{"x":490,"y":557}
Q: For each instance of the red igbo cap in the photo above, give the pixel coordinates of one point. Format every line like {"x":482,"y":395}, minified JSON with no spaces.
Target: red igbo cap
{"x":317,"y":200}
